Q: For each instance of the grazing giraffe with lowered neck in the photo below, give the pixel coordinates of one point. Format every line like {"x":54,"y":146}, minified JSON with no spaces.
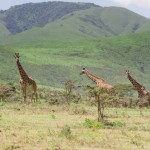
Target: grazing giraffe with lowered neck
{"x":100,"y":82}
{"x":143,"y":94}
{"x":27,"y":84}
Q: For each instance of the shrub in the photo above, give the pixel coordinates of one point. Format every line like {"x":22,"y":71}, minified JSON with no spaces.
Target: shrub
{"x":66,"y":132}
{"x":53,"y":97}
{"x":69,"y":86}
{"x":7,"y":91}
{"x":77,"y":109}
{"x":119,"y":123}
{"x":88,"y":123}
{"x":114,"y":124}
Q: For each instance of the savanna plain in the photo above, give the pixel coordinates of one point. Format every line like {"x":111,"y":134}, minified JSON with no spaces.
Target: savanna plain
{"x":71,"y":127}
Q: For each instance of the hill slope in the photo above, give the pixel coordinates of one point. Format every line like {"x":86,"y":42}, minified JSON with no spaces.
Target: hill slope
{"x":54,"y":62}
{"x":23,"y":17}
{"x":61,"y":21}
{"x":3,"y":30}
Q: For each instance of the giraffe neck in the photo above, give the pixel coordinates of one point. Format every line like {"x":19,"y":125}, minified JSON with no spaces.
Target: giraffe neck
{"x":93,"y":78}
{"x":22,"y":72}
{"x":140,"y":89}
{"x":134,"y":82}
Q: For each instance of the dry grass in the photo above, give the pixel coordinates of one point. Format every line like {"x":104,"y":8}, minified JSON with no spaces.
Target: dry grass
{"x":40,"y":126}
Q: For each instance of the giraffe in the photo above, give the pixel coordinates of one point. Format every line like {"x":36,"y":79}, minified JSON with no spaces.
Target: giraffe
{"x":99,"y":81}
{"x":27,"y":84}
{"x":143,"y":94}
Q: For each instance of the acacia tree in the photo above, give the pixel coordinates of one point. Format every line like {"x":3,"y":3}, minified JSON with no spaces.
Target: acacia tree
{"x":69,"y":86}
{"x":103,"y":97}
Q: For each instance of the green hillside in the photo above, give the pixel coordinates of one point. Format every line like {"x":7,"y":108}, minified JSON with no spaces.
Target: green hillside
{"x":26,"y":16}
{"x":104,"y":40}
{"x":63,"y":21}
{"x":94,"y":22}
{"x":3,"y":30}
{"x":54,"y":62}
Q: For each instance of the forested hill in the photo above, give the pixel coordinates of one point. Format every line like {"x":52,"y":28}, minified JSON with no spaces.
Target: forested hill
{"x":65,"y":20}
{"x":23,"y":17}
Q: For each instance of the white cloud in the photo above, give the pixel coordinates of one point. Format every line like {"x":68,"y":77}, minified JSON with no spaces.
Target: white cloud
{"x":139,"y":3}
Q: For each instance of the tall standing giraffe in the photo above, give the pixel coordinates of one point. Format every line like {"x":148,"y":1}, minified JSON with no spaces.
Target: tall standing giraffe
{"x":143,"y":94}
{"x":99,"y":81}
{"x":27,"y":84}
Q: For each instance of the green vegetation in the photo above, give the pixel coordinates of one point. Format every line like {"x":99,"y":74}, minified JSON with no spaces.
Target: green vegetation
{"x":23,"y":17}
{"x":67,"y":21}
{"x":52,"y":63}
{"x":56,"y":52}
{"x":3,"y":30}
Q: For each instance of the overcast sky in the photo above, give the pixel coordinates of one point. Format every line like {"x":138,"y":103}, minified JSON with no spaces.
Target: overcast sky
{"x":139,"y":6}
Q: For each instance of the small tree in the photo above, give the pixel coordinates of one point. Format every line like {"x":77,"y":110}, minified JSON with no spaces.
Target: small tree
{"x":69,"y":86}
{"x":103,"y":97}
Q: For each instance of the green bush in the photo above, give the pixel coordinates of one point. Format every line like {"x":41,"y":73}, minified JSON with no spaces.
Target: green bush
{"x":88,"y":123}
{"x":114,"y":124}
{"x":119,"y":123}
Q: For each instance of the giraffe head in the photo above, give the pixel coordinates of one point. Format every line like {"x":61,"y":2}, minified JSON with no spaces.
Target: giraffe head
{"x":17,"y":56}
{"x":83,"y":71}
{"x":127,"y":72}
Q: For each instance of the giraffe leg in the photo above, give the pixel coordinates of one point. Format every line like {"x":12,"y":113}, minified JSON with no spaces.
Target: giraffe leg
{"x":34,"y":96}
{"x":25,"y":99}
{"x":23,"y":89}
{"x":24,"y":94}
{"x":35,"y":92}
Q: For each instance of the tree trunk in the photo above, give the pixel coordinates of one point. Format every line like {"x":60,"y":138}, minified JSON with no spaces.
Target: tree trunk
{"x":100,"y":109}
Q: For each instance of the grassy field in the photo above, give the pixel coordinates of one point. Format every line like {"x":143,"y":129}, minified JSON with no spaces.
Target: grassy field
{"x":45,"y":127}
